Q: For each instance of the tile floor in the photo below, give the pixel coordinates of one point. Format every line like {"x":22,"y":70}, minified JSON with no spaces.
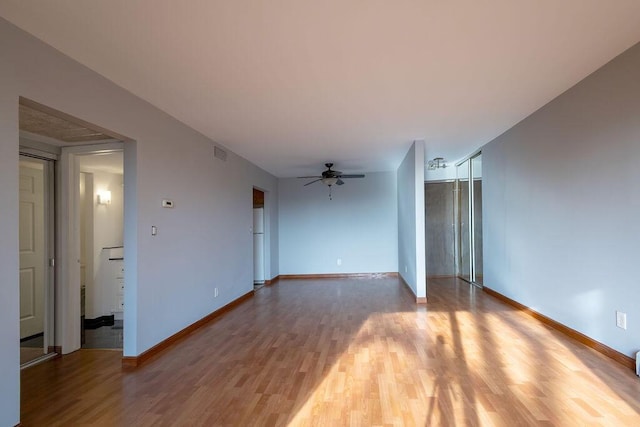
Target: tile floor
{"x":105,"y":336}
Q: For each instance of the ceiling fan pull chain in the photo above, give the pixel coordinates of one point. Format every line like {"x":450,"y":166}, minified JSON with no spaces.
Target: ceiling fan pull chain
{"x":330,"y":193}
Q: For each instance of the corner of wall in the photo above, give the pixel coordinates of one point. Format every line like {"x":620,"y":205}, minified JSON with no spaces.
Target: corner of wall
{"x":411,"y":219}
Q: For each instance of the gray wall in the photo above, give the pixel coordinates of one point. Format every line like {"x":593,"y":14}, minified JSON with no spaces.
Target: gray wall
{"x":562,"y":206}
{"x":204,"y":242}
{"x":411,"y":220}
{"x":359,"y":226}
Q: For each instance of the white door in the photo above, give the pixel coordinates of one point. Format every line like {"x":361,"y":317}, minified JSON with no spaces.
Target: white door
{"x":32,"y":248}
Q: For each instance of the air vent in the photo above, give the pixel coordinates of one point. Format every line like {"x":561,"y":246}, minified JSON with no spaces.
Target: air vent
{"x":219,"y":153}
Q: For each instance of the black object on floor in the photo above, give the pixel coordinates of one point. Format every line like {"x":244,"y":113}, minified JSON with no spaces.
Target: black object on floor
{"x":99,"y":322}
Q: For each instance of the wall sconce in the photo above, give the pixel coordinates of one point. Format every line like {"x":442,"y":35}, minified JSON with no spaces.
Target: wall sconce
{"x":104,"y":197}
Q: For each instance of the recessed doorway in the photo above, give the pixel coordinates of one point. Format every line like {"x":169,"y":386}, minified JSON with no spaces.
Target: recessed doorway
{"x":258,"y":229}
{"x":101,"y":220}
{"x":77,"y":149}
{"x":440,"y":200}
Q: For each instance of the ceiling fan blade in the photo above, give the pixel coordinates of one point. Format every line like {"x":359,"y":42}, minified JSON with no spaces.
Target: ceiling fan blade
{"x":339,"y":182}
{"x":308,"y":177}
{"x":352,"y":176}
{"x":311,"y":182}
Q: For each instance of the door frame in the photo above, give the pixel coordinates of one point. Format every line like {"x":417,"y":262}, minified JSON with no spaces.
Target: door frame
{"x":266,"y":219}
{"x":67,"y":242}
{"x":68,"y":321}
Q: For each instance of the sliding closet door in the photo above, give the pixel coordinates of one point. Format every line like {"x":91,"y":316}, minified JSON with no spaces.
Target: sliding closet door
{"x":469,"y":220}
{"x":35,"y":250}
{"x":464,"y":223}
{"x":476,"y":215}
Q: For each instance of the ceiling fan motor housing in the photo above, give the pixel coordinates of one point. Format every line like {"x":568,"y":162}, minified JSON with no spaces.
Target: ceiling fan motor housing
{"x":330,"y":173}
{"x":330,"y":177}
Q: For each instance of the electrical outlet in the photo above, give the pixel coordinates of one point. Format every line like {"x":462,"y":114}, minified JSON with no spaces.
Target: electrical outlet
{"x":339,"y":261}
{"x":215,"y":292}
{"x":621,"y":320}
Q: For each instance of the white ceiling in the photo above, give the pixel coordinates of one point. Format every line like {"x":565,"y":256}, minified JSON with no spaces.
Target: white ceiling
{"x":290,"y":84}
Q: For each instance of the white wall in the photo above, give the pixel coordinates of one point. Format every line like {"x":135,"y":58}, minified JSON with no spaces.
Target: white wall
{"x":9,"y":262}
{"x":411,"y":220}
{"x":108,"y":224}
{"x":561,"y":206}
{"x":359,"y":226}
{"x":203,"y":243}
{"x":271,"y":235}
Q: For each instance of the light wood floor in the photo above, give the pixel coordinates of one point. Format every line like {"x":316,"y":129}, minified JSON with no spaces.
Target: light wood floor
{"x":346,"y":352}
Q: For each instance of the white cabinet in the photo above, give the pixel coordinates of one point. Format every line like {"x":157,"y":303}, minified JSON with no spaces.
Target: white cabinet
{"x":119,"y":281}
{"x":115,"y":280}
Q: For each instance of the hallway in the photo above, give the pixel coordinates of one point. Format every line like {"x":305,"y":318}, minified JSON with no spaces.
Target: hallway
{"x":346,"y":352}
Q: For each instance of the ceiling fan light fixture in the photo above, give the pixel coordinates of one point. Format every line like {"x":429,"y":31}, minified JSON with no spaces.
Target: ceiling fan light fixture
{"x":329,"y":181}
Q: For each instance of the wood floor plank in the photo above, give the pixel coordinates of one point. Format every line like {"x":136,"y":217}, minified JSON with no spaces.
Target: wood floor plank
{"x":355,"y":352}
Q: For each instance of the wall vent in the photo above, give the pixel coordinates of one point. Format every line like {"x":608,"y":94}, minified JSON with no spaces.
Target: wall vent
{"x":219,"y":153}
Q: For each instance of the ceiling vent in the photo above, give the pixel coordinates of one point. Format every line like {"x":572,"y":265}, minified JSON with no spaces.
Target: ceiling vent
{"x":219,"y":153}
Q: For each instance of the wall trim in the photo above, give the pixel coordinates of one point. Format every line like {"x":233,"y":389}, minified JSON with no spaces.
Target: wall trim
{"x":338,"y":276}
{"x":419,"y":300}
{"x":135,"y":361}
{"x":571,"y":333}
{"x":271,"y":281}
{"x":442,"y":276}
{"x":55,"y":349}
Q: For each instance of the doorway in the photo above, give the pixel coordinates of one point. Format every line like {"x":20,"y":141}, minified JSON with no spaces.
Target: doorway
{"x":46,"y":133}
{"x":101,"y":227}
{"x":258,"y":239}
{"x":440,"y":203}
{"x":36,"y":253}
{"x":469,"y":220}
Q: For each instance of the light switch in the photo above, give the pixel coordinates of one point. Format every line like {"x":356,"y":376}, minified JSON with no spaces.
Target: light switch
{"x":154,"y":230}
{"x":166,"y":203}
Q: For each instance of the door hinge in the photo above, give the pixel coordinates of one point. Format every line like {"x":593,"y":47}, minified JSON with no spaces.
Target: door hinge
{"x":52,"y":262}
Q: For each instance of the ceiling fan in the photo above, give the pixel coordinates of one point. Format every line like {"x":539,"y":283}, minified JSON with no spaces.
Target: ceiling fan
{"x":330,"y":177}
